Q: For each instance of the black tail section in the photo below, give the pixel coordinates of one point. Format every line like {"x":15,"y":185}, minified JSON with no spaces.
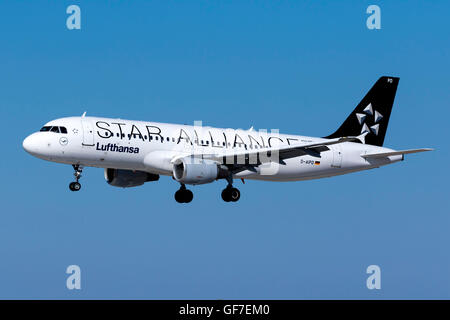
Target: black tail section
{"x":372,"y":113}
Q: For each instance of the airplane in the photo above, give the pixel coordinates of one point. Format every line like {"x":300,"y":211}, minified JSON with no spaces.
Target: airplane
{"x":135,"y":152}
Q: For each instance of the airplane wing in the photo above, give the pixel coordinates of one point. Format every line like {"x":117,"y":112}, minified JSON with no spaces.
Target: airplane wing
{"x":248,"y":160}
{"x":394,"y":153}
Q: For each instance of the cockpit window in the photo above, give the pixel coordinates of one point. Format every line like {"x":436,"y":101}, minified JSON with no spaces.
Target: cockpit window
{"x":54,"y":129}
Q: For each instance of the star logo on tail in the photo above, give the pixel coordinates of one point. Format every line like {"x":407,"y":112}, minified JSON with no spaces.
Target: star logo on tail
{"x":369,"y":111}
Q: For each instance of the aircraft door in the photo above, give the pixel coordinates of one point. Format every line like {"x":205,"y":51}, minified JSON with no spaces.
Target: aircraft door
{"x":88,"y":132}
{"x":337,"y":156}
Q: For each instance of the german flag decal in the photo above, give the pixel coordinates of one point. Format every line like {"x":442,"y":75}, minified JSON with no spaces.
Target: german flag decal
{"x":316,"y":163}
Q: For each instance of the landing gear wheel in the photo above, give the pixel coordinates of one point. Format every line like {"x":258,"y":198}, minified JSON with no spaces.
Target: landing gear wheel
{"x":74,"y":186}
{"x":184,"y":195}
{"x":231,"y":194}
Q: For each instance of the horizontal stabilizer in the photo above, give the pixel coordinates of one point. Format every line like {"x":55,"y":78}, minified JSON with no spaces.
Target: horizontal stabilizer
{"x":393,"y":153}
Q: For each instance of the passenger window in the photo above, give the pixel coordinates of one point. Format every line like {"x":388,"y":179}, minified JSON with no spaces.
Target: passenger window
{"x":54,"y":129}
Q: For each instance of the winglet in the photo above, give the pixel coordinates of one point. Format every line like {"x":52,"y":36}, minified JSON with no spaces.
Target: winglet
{"x":84,"y":114}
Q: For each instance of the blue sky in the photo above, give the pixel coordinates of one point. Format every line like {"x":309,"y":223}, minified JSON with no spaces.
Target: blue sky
{"x":297,"y":66}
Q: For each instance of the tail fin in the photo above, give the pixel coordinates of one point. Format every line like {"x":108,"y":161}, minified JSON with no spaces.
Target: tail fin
{"x":372,"y":113}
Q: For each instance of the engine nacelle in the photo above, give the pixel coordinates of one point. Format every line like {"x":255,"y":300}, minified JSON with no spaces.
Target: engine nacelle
{"x":191,"y":170}
{"x":128,"y":178}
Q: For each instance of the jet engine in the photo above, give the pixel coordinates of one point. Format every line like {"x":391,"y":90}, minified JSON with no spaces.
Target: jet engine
{"x":128,"y":178}
{"x":191,"y":170}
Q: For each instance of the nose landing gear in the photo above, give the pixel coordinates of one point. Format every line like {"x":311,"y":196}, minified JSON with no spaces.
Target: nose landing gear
{"x":76,"y":186}
{"x":184,"y":195}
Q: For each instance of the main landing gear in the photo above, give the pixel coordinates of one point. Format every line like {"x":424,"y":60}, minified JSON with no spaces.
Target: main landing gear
{"x":76,"y":186}
{"x":231,"y":194}
{"x":184,"y":195}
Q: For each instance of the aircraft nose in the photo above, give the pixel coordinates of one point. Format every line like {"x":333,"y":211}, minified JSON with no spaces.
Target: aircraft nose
{"x":30,"y":144}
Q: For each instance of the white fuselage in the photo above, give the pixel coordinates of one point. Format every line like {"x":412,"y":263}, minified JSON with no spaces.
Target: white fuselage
{"x":152,"y":146}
